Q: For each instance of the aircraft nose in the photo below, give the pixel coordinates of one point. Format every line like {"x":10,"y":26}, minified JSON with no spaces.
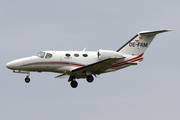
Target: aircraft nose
{"x":10,"y":65}
{"x":17,"y":64}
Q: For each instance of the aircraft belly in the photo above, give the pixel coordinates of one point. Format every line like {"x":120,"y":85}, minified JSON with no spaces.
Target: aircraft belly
{"x":64,"y":69}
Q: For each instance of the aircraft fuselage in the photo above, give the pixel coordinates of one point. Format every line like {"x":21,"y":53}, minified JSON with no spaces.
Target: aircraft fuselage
{"x":62,"y":61}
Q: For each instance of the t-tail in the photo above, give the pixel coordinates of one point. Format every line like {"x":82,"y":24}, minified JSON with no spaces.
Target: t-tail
{"x":139,"y":43}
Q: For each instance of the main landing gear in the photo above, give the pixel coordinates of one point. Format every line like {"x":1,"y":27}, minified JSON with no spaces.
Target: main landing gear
{"x":90,"y":78}
{"x":74,"y":83}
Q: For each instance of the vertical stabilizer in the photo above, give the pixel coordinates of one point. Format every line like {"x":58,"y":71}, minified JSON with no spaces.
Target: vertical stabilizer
{"x":139,"y":43}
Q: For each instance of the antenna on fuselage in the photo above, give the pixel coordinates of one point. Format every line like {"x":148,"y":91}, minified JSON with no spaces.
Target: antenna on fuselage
{"x":84,"y":49}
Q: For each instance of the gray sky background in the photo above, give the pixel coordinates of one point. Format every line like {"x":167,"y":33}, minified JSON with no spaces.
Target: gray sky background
{"x":149,"y":91}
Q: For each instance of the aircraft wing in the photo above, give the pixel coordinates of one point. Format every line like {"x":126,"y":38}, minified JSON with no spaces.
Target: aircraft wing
{"x":64,"y":75}
{"x":96,"y":68}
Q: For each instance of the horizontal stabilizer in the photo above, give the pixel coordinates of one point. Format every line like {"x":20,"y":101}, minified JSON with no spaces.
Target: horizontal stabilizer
{"x":153,"y":32}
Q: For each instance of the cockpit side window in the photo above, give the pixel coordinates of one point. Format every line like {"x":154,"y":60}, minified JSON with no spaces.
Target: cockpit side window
{"x":48,"y":55}
{"x":40,"y":54}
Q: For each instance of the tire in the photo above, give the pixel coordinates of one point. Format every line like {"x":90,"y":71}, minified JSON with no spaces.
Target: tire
{"x":90,"y":78}
{"x":74,"y":84}
{"x":27,"y":79}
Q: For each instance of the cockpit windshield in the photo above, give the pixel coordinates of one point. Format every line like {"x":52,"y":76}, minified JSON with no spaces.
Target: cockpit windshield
{"x":40,"y":54}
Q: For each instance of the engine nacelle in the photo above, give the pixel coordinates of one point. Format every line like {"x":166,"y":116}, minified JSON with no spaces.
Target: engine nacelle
{"x":104,"y":54}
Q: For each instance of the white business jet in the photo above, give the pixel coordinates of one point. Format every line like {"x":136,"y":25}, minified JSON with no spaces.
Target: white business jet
{"x":85,"y":64}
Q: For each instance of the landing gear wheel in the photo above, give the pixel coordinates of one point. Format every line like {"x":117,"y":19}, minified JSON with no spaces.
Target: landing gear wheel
{"x":90,"y":78}
{"x":74,"y":84}
{"x":27,"y":79}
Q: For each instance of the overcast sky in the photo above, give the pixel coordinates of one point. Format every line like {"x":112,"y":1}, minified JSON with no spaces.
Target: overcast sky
{"x":148,"y":91}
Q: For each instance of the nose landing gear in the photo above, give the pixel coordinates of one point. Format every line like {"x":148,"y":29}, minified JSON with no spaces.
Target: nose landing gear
{"x":27,"y":79}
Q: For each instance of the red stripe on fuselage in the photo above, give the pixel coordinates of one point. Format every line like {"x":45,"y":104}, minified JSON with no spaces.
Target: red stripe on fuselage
{"x":130,"y":60}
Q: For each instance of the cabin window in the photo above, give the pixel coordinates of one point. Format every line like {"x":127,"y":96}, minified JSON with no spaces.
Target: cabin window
{"x":68,"y":55}
{"x":40,"y":54}
{"x":48,"y":55}
{"x":76,"y":55}
{"x":85,"y":55}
